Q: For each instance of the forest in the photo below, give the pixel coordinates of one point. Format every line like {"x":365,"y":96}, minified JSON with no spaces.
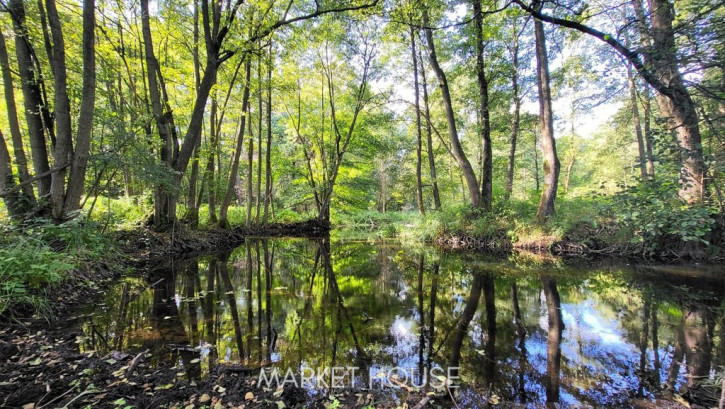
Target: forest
{"x":147,"y":147}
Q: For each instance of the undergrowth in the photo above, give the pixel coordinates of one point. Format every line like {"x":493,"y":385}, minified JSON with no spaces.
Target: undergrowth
{"x":35,"y":258}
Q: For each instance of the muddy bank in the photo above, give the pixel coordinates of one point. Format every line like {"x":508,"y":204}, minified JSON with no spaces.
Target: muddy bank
{"x":144,"y":246}
{"x":45,"y":369}
{"x":583,"y":248}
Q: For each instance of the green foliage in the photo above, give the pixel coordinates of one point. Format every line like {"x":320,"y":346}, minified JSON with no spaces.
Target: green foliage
{"x":656,"y":217}
{"x":28,"y":270}
{"x":35,"y":258}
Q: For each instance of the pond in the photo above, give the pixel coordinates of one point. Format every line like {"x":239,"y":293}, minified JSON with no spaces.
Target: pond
{"x":523,"y":328}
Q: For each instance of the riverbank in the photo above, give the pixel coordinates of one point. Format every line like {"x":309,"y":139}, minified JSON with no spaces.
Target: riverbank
{"x":42,"y":363}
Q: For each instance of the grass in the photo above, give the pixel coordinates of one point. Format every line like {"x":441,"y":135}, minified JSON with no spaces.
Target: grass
{"x":514,"y":220}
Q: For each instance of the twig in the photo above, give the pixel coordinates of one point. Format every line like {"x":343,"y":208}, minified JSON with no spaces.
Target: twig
{"x":451,"y":395}
{"x":722,"y":396}
{"x":56,"y":398}
{"x":135,"y":361}
{"x":422,"y":403}
{"x":85,"y":392}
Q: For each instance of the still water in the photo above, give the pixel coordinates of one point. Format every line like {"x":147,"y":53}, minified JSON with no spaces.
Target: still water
{"x":527,"y":329}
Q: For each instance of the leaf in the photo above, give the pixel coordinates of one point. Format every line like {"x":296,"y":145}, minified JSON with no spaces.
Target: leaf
{"x":280,"y":404}
{"x":35,"y":362}
{"x":249,"y":396}
{"x":164,"y":387}
{"x":111,"y":361}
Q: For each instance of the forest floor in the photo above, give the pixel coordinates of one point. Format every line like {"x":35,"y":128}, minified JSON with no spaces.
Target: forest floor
{"x":41,"y":365}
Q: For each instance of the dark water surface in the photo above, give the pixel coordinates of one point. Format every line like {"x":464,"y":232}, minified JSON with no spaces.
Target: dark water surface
{"x":529,"y":330}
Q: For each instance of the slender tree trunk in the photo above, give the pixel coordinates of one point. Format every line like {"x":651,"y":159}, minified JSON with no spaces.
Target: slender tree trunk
{"x":260,"y":117}
{"x":250,"y":170}
{"x":419,"y":136}
{"x":636,"y":119}
{"x":231,"y":185}
{"x":32,"y":96}
{"x":10,"y":195}
{"x":210,"y":166}
{"x":546,"y":119}
{"x":484,"y":111}
{"x":63,"y":149}
{"x":517,"y":113}
{"x":21,"y":161}
{"x":456,"y":148}
{"x":536,"y":161}
{"x":648,"y":132}
{"x":429,"y":138}
{"x":192,"y":206}
{"x":77,"y":177}
{"x":268,"y":150}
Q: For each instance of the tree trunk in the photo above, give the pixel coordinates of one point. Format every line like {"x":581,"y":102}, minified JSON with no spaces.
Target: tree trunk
{"x":77,"y":177}
{"x":456,"y":148}
{"x":662,"y":72}
{"x":21,"y":161}
{"x":419,"y":136}
{"x":637,"y":123}
{"x":678,"y":106}
{"x":429,"y":138}
{"x":546,"y":120}
{"x":260,"y":117}
{"x":32,"y":96}
{"x":11,"y":196}
{"x":517,"y":113}
{"x":250,"y":169}
{"x":192,"y":205}
{"x":536,"y":161}
{"x":165,"y":197}
{"x":268,"y":151}
{"x":648,"y":132}
{"x":231,"y":185}
{"x":484,"y":111}
{"x":210,"y":167}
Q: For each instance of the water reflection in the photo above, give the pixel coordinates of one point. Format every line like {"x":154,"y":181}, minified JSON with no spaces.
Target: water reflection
{"x":528,"y":331}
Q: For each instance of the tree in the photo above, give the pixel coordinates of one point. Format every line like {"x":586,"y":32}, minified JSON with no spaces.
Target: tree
{"x":16,"y":137}
{"x":484,"y":110}
{"x":546,"y":122}
{"x":419,"y":134}
{"x":456,"y":149}
{"x":660,"y":69}
{"x":37,"y":115}
{"x":346,"y":73}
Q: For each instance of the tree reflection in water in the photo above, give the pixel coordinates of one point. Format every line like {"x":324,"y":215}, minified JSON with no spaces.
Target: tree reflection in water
{"x":630,"y":334}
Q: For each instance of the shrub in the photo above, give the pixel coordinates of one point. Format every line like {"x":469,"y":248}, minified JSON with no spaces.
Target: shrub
{"x":657,"y":217}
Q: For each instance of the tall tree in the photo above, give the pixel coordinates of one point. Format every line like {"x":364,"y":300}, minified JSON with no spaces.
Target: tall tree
{"x":429,"y":137}
{"x":21,"y":161}
{"x":234,"y":170}
{"x":516,"y":96}
{"x":77,"y":177}
{"x":661,"y":70}
{"x":36,"y":112}
{"x":456,"y":149}
{"x":484,"y":111}
{"x":546,"y":121}
{"x":419,"y":135}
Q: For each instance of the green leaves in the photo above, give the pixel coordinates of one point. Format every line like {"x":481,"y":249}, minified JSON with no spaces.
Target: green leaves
{"x":657,"y":219}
